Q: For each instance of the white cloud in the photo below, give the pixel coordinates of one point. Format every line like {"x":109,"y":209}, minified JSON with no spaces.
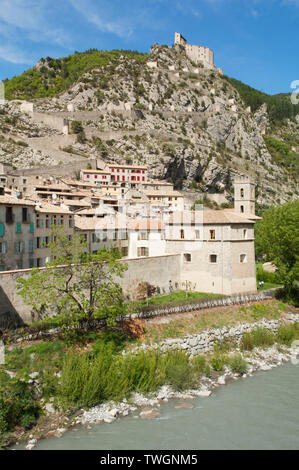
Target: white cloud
{"x":105,"y":18}
{"x":14,"y":55}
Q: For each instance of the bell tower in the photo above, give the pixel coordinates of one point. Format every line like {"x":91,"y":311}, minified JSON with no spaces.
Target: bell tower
{"x":244,"y":196}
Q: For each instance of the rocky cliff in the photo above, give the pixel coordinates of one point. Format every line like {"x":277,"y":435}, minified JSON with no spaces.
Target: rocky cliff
{"x":187,"y":123}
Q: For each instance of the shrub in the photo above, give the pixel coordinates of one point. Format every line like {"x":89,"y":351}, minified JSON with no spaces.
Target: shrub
{"x":77,"y":127}
{"x":287,"y":334}
{"x":247,"y":343}
{"x":259,"y":337}
{"x":218,"y":362}
{"x":18,"y":405}
{"x":238,"y":365}
{"x":200,"y":366}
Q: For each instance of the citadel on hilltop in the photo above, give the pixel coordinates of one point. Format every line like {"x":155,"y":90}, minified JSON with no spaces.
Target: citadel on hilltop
{"x":198,"y":54}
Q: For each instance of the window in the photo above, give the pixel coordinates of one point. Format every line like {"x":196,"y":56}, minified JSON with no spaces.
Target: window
{"x":31,"y":229}
{"x":142,"y":251}
{"x":242,"y":192}
{"x":124,"y":251}
{"x":1,"y":230}
{"x":18,"y":228}
{"x":244,"y":233}
{"x":182,"y":234}
{"x":187,"y":258}
{"x":3,"y":248}
{"x":212,"y":235}
{"x":242,"y":209}
{"x":213,"y":258}
{"x":243,"y":258}
{"x":19,"y":247}
{"x":2,"y":267}
{"x":30,"y":246}
{"x":25,"y":217}
{"x":9,"y":215}
{"x":143,"y":236}
{"x":197,"y":234}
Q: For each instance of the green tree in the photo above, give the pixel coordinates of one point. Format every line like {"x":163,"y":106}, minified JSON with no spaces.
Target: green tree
{"x":77,"y":127}
{"x":277,"y":240}
{"x":78,"y":286}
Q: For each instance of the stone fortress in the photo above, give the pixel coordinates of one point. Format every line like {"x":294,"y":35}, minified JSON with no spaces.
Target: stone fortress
{"x":198,"y":54}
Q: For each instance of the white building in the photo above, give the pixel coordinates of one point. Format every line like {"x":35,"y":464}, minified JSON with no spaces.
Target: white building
{"x":198,"y":54}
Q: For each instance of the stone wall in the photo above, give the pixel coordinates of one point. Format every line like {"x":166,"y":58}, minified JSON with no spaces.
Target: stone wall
{"x":158,"y":269}
{"x":205,"y":341}
{"x":155,"y":311}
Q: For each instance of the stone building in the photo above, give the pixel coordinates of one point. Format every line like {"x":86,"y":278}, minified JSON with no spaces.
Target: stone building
{"x":17,"y":225}
{"x":198,"y":54}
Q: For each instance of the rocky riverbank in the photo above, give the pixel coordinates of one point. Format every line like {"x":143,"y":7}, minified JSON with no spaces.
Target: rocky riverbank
{"x":147,"y":407}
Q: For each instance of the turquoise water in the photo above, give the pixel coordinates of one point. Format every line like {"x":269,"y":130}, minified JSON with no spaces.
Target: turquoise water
{"x":259,"y":412}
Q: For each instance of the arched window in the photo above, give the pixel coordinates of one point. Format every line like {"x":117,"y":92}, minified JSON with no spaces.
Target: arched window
{"x":242,"y":209}
{"x":242,"y":192}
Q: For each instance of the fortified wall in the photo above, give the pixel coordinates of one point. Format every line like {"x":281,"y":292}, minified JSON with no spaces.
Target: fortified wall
{"x":158,"y":270}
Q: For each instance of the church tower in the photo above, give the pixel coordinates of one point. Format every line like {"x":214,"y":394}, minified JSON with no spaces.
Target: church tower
{"x":244,"y":196}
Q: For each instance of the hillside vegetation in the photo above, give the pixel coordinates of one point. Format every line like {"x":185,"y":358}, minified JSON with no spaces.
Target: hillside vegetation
{"x":53,"y":76}
{"x":280,"y":106}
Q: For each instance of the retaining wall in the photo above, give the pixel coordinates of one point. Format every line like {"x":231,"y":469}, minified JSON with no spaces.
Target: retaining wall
{"x":205,"y":341}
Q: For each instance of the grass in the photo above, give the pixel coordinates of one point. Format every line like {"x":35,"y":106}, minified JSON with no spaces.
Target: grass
{"x":177,"y":297}
{"x":269,"y":285}
{"x":216,"y":318}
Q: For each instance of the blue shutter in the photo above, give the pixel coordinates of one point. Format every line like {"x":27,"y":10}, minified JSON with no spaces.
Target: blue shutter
{"x":1,"y":230}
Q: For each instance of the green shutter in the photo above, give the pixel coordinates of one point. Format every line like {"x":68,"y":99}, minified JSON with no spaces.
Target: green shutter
{"x":23,"y":247}
{"x":31,"y":228}
{"x":2,"y":267}
{"x":1,"y":230}
{"x":138,"y":251}
{"x":31,"y":263}
{"x":41,"y":223}
{"x":16,"y":248}
{"x":18,"y":228}
{"x":30,"y":246}
{"x":4,"y":247}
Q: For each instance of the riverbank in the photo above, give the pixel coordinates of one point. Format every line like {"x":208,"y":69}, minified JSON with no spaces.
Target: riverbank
{"x":227,"y":354}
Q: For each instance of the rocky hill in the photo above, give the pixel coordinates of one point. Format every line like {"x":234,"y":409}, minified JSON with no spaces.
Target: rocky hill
{"x":189,"y":124}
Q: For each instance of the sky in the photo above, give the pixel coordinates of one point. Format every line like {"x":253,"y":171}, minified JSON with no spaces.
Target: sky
{"x":255,"y":41}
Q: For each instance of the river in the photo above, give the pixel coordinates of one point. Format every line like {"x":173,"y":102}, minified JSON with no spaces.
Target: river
{"x":259,"y":412}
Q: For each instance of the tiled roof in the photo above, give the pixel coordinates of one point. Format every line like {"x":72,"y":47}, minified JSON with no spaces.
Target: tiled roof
{"x":15,"y":201}
{"x":208,"y":217}
{"x":51,"y":208}
{"x":97,"y":171}
{"x":143,"y":167}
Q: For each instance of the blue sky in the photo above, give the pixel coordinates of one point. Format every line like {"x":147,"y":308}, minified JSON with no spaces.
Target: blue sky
{"x":255,"y":41}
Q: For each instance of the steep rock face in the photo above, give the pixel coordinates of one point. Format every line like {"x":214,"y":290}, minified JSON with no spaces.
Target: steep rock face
{"x":186,"y":122}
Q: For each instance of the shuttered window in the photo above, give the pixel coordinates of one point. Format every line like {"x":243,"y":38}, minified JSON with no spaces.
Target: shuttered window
{"x":1,"y":230}
{"x":19,"y":228}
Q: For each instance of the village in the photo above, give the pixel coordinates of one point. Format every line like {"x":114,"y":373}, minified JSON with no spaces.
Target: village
{"x":118,"y":205}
